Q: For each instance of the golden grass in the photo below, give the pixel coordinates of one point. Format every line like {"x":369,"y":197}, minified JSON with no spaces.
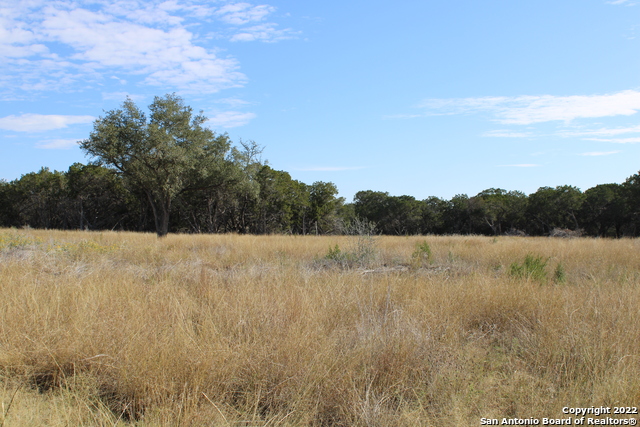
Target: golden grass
{"x":229,"y":330}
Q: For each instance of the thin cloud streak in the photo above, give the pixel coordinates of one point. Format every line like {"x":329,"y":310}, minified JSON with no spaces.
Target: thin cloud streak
{"x":526,"y":110}
{"x":600,"y":153}
{"x":616,"y":140}
{"x":602,"y":132}
{"x":40,"y":122}
{"x":231,"y":119}
{"x":58,"y":144}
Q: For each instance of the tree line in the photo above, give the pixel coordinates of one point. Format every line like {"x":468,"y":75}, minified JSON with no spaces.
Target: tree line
{"x":607,"y":210}
{"x":93,"y":197}
{"x":166,"y":171}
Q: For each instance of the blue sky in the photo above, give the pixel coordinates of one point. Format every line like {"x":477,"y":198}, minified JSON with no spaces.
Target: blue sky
{"x":410,"y":97}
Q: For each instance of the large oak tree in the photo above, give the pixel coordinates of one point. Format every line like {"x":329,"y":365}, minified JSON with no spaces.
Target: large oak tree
{"x":163,"y":155}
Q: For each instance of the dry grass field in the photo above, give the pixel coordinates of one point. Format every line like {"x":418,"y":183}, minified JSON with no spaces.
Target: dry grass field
{"x":118,"y":329}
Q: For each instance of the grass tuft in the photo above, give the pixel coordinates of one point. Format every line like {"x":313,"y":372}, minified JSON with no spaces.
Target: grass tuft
{"x":533,"y":268}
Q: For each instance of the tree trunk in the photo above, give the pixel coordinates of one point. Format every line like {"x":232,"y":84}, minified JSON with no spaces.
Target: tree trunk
{"x":160,"y":214}
{"x":164,"y":223}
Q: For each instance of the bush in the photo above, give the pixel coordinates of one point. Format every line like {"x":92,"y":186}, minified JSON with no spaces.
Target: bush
{"x":421,"y":255}
{"x":532,"y":268}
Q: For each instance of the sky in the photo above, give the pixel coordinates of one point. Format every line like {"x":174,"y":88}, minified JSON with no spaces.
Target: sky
{"x":422,"y":98}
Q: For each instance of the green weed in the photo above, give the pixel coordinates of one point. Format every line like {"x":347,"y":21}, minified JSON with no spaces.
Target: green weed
{"x":533,"y":268}
{"x":560,"y":275}
{"x":422,"y":254}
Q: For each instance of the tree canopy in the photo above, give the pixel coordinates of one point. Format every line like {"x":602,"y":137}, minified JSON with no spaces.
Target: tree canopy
{"x":161,"y":156}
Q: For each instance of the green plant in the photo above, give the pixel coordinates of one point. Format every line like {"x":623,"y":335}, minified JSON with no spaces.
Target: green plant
{"x":422,"y":253}
{"x":334,"y":254}
{"x":362,"y":245}
{"x":17,"y":241}
{"x":560,"y":275}
{"x":532,"y":268}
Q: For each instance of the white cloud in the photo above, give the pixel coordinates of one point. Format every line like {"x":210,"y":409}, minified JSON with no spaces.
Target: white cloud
{"x":263,"y":32}
{"x":152,"y":12}
{"x":57,"y":45}
{"x":40,"y":122}
{"x":605,"y":134}
{"x":461,"y":105}
{"x":536,"y":109}
{"x":58,"y":144}
{"x":525,"y":110}
{"x":599,"y":153}
{"x":243,"y":13}
{"x":231,"y":119}
{"x":167,"y":57}
{"x":16,"y":43}
{"x":232,"y":102}
{"x":602,"y":131}
{"x":121,"y":81}
{"x":617,"y":140}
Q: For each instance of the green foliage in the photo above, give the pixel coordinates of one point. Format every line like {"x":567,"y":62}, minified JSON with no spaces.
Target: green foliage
{"x":501,"y":210}
{"x":283,"y":203}
{"x":558,"y":207}
{"x":334,"y":254}
{"x":323,"y":205}
{"x":533,"y":268}
{"x":422,"y":254}
{"x":98,"y":199}
{"x":361,"y":254}
{"x":343,"y":259}
{"x":7,"y":211}
{"x":399,"y":215}
{"x":458,"y":214}
{"x":39,"y":199}
{"x":605,"y":210}
{"x":433,"y":216}
{"x":559,"y":274}
{"x":162,"y":156}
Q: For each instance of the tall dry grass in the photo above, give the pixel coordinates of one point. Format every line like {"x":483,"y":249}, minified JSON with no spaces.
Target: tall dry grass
{"x":104,"y":329}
